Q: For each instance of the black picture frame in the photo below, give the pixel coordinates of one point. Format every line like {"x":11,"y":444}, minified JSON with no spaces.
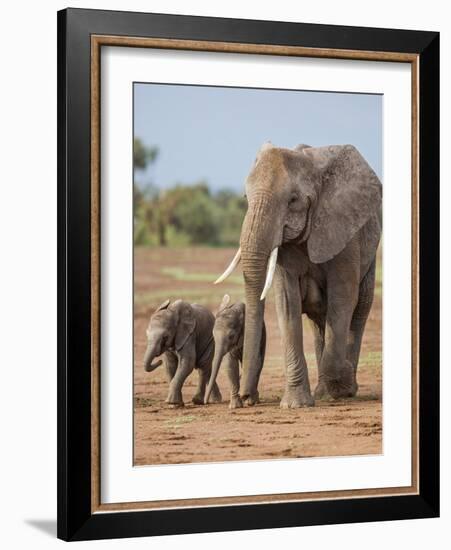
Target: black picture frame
{"x":75,"y":518}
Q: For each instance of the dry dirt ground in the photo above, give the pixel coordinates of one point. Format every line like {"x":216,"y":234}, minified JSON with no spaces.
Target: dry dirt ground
{"x":214,"y":433}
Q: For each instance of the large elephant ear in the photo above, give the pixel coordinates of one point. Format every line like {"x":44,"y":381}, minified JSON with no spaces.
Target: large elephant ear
{"x":185,"y":325}
{"x":350,"y":193}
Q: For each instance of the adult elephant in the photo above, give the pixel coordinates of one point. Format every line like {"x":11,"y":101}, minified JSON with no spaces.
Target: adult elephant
{"x":313,"y":224}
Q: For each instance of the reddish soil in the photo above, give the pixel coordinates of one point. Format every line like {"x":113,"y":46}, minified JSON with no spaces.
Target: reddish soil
{"x":214,"y":433}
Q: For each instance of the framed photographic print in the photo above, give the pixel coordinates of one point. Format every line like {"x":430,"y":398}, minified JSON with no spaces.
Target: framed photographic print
{"x":248,"y":274}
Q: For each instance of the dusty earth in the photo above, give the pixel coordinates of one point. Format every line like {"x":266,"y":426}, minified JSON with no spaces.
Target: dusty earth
{"x":214,"y":433}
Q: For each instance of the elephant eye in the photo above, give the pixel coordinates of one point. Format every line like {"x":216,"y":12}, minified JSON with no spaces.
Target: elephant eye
{"x":293,"y":199}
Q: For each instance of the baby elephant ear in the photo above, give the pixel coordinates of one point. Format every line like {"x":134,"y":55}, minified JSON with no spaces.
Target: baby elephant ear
{"x":350,"y":194}
{"x":225,"y":302}
{"x":186,"y":323}
{"x":164,"y":305}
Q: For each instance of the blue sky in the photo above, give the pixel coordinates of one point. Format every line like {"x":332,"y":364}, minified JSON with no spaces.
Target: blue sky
{"x":213,"y":134}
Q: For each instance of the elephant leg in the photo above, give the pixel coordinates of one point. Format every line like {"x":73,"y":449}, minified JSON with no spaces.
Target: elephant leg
{"x":232,"y":367}
{"x":318,"y":329}
{"x":185,"y":368}
{"x":254,"y":399}
{"x":335,"y":368}
{"x":359,"y":318}
{"x":170,"y":365}
{"x":199,"y":396}
{"x":289,"y":311}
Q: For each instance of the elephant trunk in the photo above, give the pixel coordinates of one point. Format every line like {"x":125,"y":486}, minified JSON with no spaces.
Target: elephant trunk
{"x":257,"y":243}
{"x":254,"y":270}
{"x":149,"y":356}
{"x":220,"y":351}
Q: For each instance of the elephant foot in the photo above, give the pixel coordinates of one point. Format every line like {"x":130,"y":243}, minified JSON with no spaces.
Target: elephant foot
{"x":235,"y":402}
{"x":215,"y":396}
{"x":253,"y":399}
{"x":175,"y":399}
{"x":198,"y":399}
{"x":345,"y":385}
{"x":321,"y":391}
{"x":296,"y":397}
{"x":175,"y":405}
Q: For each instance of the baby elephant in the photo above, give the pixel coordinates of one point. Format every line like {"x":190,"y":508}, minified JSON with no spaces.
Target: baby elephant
{"x":229,"y":334}
{"x":182,"y":333}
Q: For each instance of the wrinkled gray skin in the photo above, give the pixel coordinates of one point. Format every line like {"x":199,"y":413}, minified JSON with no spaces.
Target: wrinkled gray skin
{"x":183,"y":334}
{"x":322,"y":208}
{"x":228,"y":334}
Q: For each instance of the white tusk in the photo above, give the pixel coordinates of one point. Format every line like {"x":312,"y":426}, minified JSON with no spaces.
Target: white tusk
{"x":228,"y":271}
{"x":269,"y":273}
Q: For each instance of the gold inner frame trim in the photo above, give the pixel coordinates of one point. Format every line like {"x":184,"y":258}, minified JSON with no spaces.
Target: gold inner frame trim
{"x":97,"y":41}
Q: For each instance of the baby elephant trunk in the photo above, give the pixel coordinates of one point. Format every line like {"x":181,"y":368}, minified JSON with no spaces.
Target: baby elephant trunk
{"x":220,"y":351}
{"x":149,"y":356}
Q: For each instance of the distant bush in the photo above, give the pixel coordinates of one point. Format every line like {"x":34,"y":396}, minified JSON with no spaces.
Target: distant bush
{"x":187,"y":214}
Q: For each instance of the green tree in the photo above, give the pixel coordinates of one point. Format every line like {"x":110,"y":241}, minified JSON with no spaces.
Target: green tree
{"x":192,"y":212}
{"x":147,"y":216}
{"x":232,"y":209}
{"x":143,"y":155}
